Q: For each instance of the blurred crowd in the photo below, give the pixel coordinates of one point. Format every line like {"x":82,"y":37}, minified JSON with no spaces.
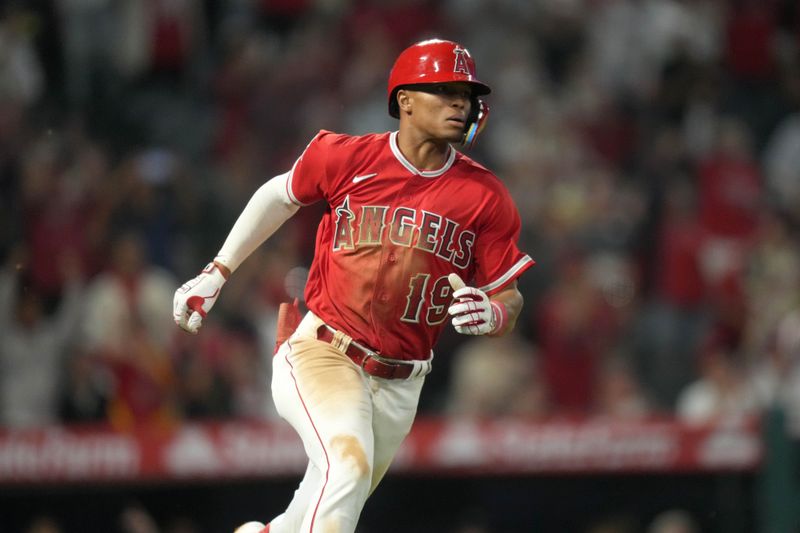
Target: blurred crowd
{"x":652,"y":146}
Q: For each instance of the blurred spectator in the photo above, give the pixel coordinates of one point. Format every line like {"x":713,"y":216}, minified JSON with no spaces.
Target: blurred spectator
{"x":143,"y":392}
{"x":174,"y":34}
{"x":672,"y":321}
{"x":129,"y":294}
{"x":21,"y":75}
{"x":775,"y":373}
{"x":201,"y":390}
{"x":33,"y":345}
{"x":632,"y":41}
{"x":134,"y":518}
{"x":86,"y":389}
{"x":57,"y":208}
{"x":144,"y":199}
{"x":771,"y":281}
{"x":703,"y":111}
{"x":782,"y":166}
{"x":496,"y":377}
{"x":723,"y":389}
{"x":12,"y":123}
{"x":576,"y":327}
{"x":730,"y":184}
{"x":619,"y":394}
{"x":247,"y":59}
{"x":678,"y":279}
{"x":404,"y":21}
{"x":673,"y":521}
{"x":751,"y":58}
{"x":128,"y":325}
{"x":280,"y":17}
{"x":243,"y":373}
{"x":222,"y":375}
{"x":106,"y":41}
{"x":364,"y":80}
{"x":751,"y":34}
{"x":87,"y":27}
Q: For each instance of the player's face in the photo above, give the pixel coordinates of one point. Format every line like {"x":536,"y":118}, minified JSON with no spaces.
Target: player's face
{"x":441,"y":109}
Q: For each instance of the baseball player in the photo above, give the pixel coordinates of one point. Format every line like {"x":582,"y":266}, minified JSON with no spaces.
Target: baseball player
{"x":409,"y":218}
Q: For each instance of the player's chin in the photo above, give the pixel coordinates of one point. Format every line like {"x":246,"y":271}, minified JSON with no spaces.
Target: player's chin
{"x":453,"y":132}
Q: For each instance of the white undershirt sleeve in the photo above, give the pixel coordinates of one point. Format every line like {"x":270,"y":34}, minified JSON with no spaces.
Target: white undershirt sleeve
{"x":269,"y":207}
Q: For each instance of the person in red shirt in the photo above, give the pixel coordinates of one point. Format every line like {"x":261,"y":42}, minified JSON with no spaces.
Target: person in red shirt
{"x":409,"y":218}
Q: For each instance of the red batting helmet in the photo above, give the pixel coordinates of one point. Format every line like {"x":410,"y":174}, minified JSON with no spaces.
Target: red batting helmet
{"x":433,"y":61}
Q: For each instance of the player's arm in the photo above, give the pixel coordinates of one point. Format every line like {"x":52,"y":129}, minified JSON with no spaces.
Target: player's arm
{"x":475,"y":313}
{"x":268,"y":208}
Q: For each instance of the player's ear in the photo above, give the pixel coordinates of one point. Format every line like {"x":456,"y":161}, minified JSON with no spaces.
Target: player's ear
{"x":404,"y":101}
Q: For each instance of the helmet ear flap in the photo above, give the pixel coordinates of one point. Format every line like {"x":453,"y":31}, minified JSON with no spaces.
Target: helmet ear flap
{"x":476,"y":121}
{"x":394,"y":107}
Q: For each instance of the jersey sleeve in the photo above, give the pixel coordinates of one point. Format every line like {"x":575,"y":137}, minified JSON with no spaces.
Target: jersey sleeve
{"x":310,"y":176}
{"x":498,"y":260}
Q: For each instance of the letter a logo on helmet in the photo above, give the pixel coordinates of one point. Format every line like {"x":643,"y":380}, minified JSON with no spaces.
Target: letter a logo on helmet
{"x":461,"y":61}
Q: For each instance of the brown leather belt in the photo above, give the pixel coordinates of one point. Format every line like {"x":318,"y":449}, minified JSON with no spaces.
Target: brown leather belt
{"x":372,"y":363}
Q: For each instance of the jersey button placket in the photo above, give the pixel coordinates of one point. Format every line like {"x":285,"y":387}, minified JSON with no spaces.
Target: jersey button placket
{"x":390,"y":261}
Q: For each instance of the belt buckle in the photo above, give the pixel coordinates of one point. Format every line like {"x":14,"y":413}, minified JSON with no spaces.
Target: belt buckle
{"x":371,"y":355}
{"x":368,"y":354}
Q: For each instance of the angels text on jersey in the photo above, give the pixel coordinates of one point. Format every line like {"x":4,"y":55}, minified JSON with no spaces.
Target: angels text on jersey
{"x":402,"y":226}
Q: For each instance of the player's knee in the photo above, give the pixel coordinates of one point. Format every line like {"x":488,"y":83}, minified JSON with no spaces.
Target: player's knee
{"x":351,"y":458}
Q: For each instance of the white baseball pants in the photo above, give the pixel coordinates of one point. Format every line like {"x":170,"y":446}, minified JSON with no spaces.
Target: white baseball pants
{"x":351,"y":425}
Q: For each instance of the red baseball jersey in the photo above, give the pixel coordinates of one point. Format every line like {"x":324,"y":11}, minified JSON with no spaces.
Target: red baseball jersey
{"x":393,"y":233}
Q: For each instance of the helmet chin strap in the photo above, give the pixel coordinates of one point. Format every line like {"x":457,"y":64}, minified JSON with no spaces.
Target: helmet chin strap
{"x":475,"y":123}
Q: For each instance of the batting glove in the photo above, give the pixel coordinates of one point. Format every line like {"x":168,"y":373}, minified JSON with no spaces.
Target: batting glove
{"x":195,"y":298}
{"x":474,"y":313}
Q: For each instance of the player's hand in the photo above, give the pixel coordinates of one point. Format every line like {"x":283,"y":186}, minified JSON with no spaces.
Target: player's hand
{"x":195,"y":298}
{"x":473,"y":313}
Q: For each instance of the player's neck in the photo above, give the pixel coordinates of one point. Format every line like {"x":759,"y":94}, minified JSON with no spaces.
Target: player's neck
{"x":423,"y":153}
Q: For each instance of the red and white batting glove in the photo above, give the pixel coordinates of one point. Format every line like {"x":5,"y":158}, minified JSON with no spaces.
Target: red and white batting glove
{"x":474,"y":313}
{"x":195,"y":298}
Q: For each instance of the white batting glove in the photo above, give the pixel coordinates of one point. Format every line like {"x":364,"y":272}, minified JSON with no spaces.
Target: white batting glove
{"x":474,"y":313}
{"x":195,"y":298}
